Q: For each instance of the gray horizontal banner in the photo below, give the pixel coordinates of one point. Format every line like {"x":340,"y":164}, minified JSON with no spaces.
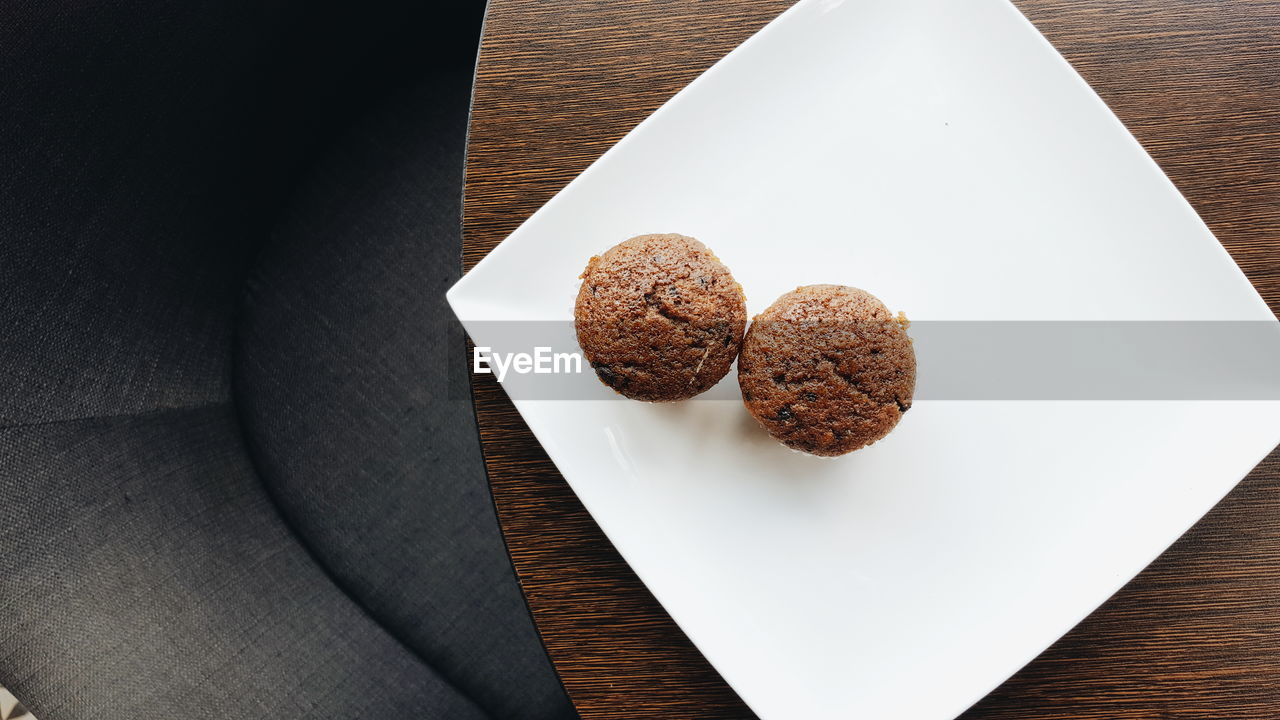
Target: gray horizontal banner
{"x":966,"y":360}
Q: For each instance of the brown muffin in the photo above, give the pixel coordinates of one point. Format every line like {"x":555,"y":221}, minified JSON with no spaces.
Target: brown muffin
{"x":659,"y":317}
{"x":827,"y":369}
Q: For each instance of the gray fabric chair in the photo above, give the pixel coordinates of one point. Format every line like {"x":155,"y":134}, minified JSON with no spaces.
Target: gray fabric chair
{"x":238,"y":472}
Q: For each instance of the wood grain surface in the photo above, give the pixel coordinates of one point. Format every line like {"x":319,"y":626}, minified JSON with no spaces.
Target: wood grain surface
{"x":1197,"y":635}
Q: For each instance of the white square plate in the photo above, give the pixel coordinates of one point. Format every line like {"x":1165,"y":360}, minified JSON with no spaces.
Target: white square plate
{"x":942,"y":155}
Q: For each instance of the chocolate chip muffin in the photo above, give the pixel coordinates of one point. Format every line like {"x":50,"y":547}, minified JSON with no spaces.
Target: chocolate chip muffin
{"x":827,"y":369}
{"x":659,"y":317}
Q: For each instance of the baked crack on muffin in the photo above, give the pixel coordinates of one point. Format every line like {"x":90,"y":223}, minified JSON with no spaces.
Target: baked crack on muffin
{"x":659,"y":317}
{"x":827,"y":369}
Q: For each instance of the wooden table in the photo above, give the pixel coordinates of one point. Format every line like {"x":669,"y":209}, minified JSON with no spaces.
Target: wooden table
{"x":1197,"y":635}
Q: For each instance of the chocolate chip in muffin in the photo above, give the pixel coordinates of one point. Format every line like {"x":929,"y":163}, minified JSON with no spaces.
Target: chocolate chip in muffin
{"x":659,"y":317}
{"x":827,"y":369}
